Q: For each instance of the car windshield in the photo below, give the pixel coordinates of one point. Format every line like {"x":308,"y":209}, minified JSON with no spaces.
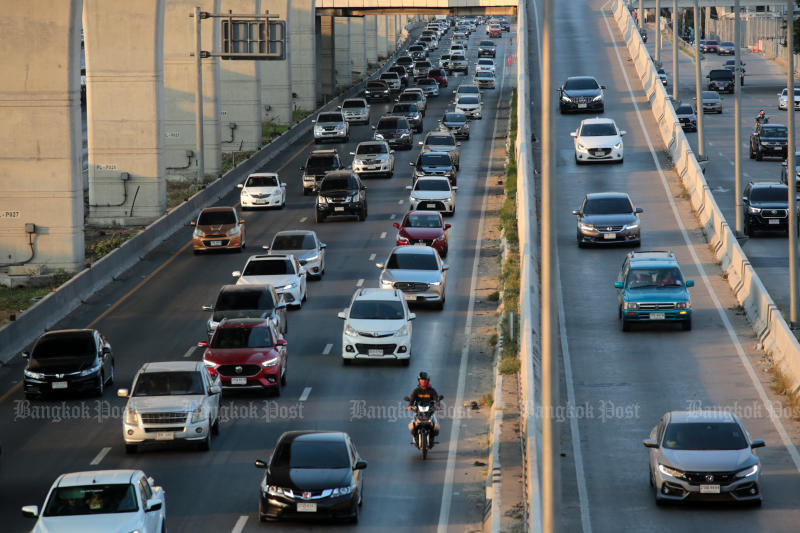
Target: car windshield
{"x":704,"y":436}
{"x":720,"y":75}
{"x":375,"y":85}
{"x":710,"y":95}
{"x":426,"y":81}
{"x":769,"y":194}
{"x":337,"y":183}
{"x":726,"y":43}
{"x":372,"y":149}
{"x":311,"y":454}
{"x":468,"y":100}
{"x":64,"y":345}
{"x":602,"y":129}
{"x":253,"y":298}
{"x":389,"y":76}
{"x":468,"y":89}
{"x":487,"y":62}
{"x":168,"y":383}
{"x":662,"y":71}
{"x":216,"y":218}
{"x":484,"y":74}
{"x":330,"y":117}
{"x":774,"y":131}
{"x":262,"y":181}
{"x":353,"y":104}
{"x":235,"y":338}
{"x":786,"y":91}
{"x":268,"y":267}
{"x":392,"y":124}
{"x":319,"y":164}
{"x":440,"y":140}
{"x":293,"y":242}
{"x":607,"y":206}
{"x":409,"y":97}
{"x":405,"y":108}
{"x":455,"y":117}
{"x":457,"y":57}
{"x":422,"y":221}
{"x":432,"y":185}
{"x":377,"y":310}
{"x":639,"y":278}
{"x":430,"y":159}
{"x":424,"y":261}
{"x":404,"y":60}
{"x":712,"y":42}
{"x":581,"y":84}
{"x":96,"y":498}
{"x":486,"y":43}
{"x":684,"y":110}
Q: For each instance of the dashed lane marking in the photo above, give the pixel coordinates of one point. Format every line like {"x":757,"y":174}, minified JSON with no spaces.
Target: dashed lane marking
{"x":99,"y":457}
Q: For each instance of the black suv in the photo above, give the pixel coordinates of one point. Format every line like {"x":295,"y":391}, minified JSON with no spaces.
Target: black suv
{"x":377,"y":90}
{"x":769,"y":140}
{"x":487,"y":49}
{"x":765,"y":206}
{"x":341,"y":193}
{"x":319,"y":162}
{"x":247,"y":301}
{"x":435,"y":164}
{"x":395,"y":130}
{"x":720,"y":80}
{"x":402,"y":72}
{"x":412,"y":114}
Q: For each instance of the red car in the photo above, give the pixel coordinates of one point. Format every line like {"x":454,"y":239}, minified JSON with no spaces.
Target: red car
{"x":246,"y":353}
{"x":423,"y":227}
{"x":439,"y":75}
{"x":495,"y":31}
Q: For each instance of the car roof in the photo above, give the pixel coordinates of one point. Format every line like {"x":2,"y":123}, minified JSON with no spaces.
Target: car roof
{"x":598,"y":120}
{"x":582,"y":78}
{"x":296,"y":232}
{"x":701,"y":416}
{"x":269,"y":257}
{"x":360,"y":100}
{"x":378,"y":294}
{"x":414,"y":250}
{"x":111,"y":477}
{"x":609,"y":194}
{"x":313,"y":436}
{"x":422,"y":212}
{"x":370,"y":143}
{"x":650,"y":258}
{"x":216,"y":209}
{"x":171,"y":366}
{"x":68,"y":333}
{"x":445,"y":154}
{"x":323,"y":151}
{"x":244,"y":323}
{"x":263,"y":175}
{"x":767,"y":185}
{"x":244,"y":288}
{"x":438,"y":134}
{"x":432,"y":178}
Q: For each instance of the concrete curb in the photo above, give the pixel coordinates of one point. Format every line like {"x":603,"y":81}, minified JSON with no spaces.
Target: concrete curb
{"x":16,"y":335}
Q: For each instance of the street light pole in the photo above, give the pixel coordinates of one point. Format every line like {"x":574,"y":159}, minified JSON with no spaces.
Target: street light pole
{"x":658,"y":33}
{"x":737,"y":120}
{"x":198,"y":101}
{"x":791,"y":171}
{"x":641,"y":13}
{"x":698,"y":72}
{"x":675,"y":50}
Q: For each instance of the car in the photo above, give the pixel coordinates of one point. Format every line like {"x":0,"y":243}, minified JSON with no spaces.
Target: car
{"x":505,"y":25}
{"x":710,"y":47}
{"x":417,"y":52}
{"x":418,"y":271}
{"x":412,"y":114}
{"x":305,"y":246}
{"x":429,"y":86}
{"x":67,"y":361}
{"x":319,"y":163}
{"x":247,"y":354}
{"x":598,"y":139}
{"x":444,"y":61}
{"x":651,"y":289}
{"x":423,"y":228}
{"x":466,"y":89}
{"x":455,"y":123}
{"x":769,"y":140}
{"x":703,"y":455}
{"x":721,"y":80}
{"x":421,"y":69}
{"x":487,"y":49}
{"x":404,"y":61}
{"x":341,"y":193}
{"x":393,"y":80}
{"x":434,"y":164}
{"x":607,"y":218}
{"x":485,"y":64}
{"x":440,"y":75}
{"x":423,"y":44}
{"x":732,"y":68}
{"x":416,"y":98}
{"x":171,"y":401}
{"x":662,"y":75}
{"x":263,"y":189}
{"x":460,"y":35}
{"x":377,"y":90}
{"x":395,"y":130}
{"x":441,"y":141}
{"x":312,"y":474}
{"x":331,"y":125}
{"x":643,"y":34}
{"x":785,"y":173}
{"x":783,"y":99}
{"x":433,"y":193}
{"x":581,"y":93}
{"x":431,"y":41}
{"x":247,"y":301}
{"x":458,"y":63}
{"x":686,"y":117}
{"x":401,"y":72}
{"x":457,"y":48}
{"x":218,"y":228}
{"x":726,"y":48}
{"x":494,"y":31}
{"x":484,"y":79}
{"x":283,"y":272}
{"x":373,"y":158}
{"x":711,"y":102}
{"x":101,"y":500}
{"x":377,"y":325}
{"x":355,"y":110}
{"x":765,"y":206}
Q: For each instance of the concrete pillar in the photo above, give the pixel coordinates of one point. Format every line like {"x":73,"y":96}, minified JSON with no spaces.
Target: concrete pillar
{"x":326,"y":57}
{"x":179,"y":91}
{"x":383,"y":35}
{"x":124,"y":46}
{"x":358,"y":47}
{"x":391,"y":33}
{"x":344,"y":74}
{"x":371,"y":29}
{"x":276,"y":76}
{"x":40,"y":174}
{"x":304,"y":53}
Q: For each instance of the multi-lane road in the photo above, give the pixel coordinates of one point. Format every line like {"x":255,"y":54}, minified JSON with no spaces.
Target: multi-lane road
{"x":154,"y":313}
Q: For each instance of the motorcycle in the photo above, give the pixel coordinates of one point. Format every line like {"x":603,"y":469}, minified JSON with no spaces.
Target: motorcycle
{"x":761,"y":120}
{"x":423,"y":425}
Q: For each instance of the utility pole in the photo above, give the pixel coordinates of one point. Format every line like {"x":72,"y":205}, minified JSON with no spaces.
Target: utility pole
{"x":675,"y":50}
{"x":641,"y":13}
{"x":551,"y":478}
{"x":791,"y":172}
{"x":737,"y":119}
{"x":698,"y":72}
{"x":658,"y":33}
{"x":198,"y":102}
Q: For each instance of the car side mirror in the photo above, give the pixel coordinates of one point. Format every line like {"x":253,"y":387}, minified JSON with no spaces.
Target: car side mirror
{"x":241,"y":221}
{"x":123,"y":393}
{"x":283,"y":184}
{"x":419,"y":143}
{"x":458,"y":143}
{"x":638,"y":210}
{"x":757,"y":443}
{"x":302,"y":168}
{"x":396,"y":224}
{"x":573,"y":134}
{"x":31,"y":511}
{"x":441,"y":397}
{"x":360,"y":465}
{"x":342,"y":315}
{"x":25,"y":355}
{"x":322,"y":246}
{"x":412,"y":164}
{"x":412,"y":316}
{"x":603,"y":87}
{"x":313,"y":121}
{"x":622,"y":132}
{"x":352,"y":153}
{"x":192,"y":223}
{"x":379,"y":266}
{"x":650,"y":443}
{"x":408,"y":187}
{"x":447,"y":226}
{"x":338,"y":107}
{"x":302,"y":271}
{"x":240,"y":186}
{"x":216,"y":388}
{"x":445,"y":267}
{"x":784,"y":163}
{"x":363,"y":187}
{"x":260,"y":464}
{"x":236,"y":274}
{"x":744,"y":198}
{"x":576,"y":212}
{"x":281,"y":342}
{"x":374,"y":127}
{"x":153,"y":504}
{"x":690,"y":283}
{"x":202,"y":344}
{"x":455,"y":188}
{"x":619,"y":285}
{"x":208,"y":308}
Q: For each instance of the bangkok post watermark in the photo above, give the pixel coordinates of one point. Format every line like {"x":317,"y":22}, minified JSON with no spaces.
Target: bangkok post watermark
{"x":363,"y":410}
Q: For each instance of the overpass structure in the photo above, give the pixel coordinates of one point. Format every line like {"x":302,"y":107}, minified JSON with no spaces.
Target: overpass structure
{"x":668,"y":4}
{"x":356,"y":8}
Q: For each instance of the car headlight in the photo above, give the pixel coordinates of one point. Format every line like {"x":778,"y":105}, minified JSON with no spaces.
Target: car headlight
{"x":402,"y":332}
{"x":318,"y":129}
{"x":198,"y":232}
{"x":198,"y":415}
{"x":311,"y":258}
{"x":683,"y":305}
{"x":597,"y":98}
{"x":673,"y":472}
{"x":435,"y":283}
{"x":753,"y":210}
{"x":90,"y":371}
{"x":581,"y":147}
{"x":34,"y":375}
{"x":209,"y":364}
{"x":131,"y":417}
{"x":630,"y":306}
{"x":288,"y":286}
{"x":586,"y":227}
{"x":275,"y":490}
{"x":632,"y":226}
{"x":440,"y":238}
{"x":341,"y":491}
{"x":749,"y":471}
{"x":270,"y":362}
{"x":379,"y":136}
{"x":322,"y":200}
{"x":234,"y":231}
{"x":404,"y":135}
{"x":565,"y":98}
{"x":349,"y":331}
{"x":618,"y":146}
{"x":245,"y":193}
{"x":276,"y":193}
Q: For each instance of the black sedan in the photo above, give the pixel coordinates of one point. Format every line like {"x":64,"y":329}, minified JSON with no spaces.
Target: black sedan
{"x":456,"y":123}
{"x":395,"y":130}
{"x":581,"y":93}
{"x":608,"y":217}
{"x":312,"y":474}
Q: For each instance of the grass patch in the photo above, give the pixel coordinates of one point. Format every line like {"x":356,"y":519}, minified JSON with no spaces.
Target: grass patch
{"x":180,"y":191}
{"x":102,"y":247}
{"x":493,"y":340}
{"x":300,"y":114}
{"x":12,"y":301}
{"x":493,"y":297}
{"x":509,"y":365}
{"x":271,"y":131}
{"x":487,"y":399}
{"x":233,"y":159}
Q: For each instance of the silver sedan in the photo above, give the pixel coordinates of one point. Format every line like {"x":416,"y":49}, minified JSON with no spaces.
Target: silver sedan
{"x":418,"y":271}
{"x":305,"y":246}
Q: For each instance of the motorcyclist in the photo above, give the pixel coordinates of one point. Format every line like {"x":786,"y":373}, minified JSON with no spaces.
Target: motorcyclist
{"x":761,"y":118}
{"x":424,"y":393}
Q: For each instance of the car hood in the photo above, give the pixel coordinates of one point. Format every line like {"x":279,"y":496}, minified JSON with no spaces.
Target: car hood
{"x":691,"y":116}
{"x":337,"y":193}
{"x":240,"y":313}
{"x":391,"y":133}
{"x":61,"y":365}
{"x":436,"y":168}
{"x":708,"y":101}
{"x":771,"y":205}
{"x":185,"y":403}
{"x":454,"y":124}
{"x":215,"y":228}
{"x":709,"y":460}
{"x":300,"y":255}
{"x":384,"y":326}
{"x":599,"y":141}
{"x":609,"y":220}
{"x":329,"y":124}
{"x":440,"y":148}
{"x":277,"y":280}
{"x":376,"y":157}
{"x":425,"y":276}
{"x":262,"y":190}
{"x":466,"y":106}
{"x":584,"y":92}
{"x":657,"y":294}
{"x":422,"y":233}
{"x":431,"y":195}
{"x":241,"y":356}
{"x":99,"y":523}
{"x":300,"y":479}
{"x":772,"y":138}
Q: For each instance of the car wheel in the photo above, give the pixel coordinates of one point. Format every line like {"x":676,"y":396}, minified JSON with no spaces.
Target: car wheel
{"x":687,"y":324}
{"x":262,"y":517}
{"x":626,"y":326}
{"x":580,"y":241}
{"x":305,"y":192}
{"x":215,"y":427}
{"x":111,"y":377}
{"x":283,"y":377}
{"x":205,"y":444}
{"x":405,"y":362}
{"x":748,"y":231}
{"x":440,"y":303}
{"x":346,"y":362}
{"x":759,"y":155}
{"x":318,"y":217}
{"x":354,"y":518}
{"x":750,"y":153}
{"x":131,"y":448}
{"x":657,"y":494}
{"x":101,"y":385}
{"x":276,"y":389}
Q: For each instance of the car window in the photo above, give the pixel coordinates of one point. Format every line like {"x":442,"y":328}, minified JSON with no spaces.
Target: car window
{"x":268,"y":267}
{"x":253,"y":298}
{"x":311,"y":454}
{"x":97,"y":498}
{"x":488,"y":62}
{"x":581,"y":84}
{"x":607,"y":206}
{"x":262,"y":181}
{"x":353,"y":104}
{"x":179,"y":383}
{"x":321,"y":163}
{"x":72,"y":346}
{"x":377,"y":310}
{"x":605,"y":129}
{"x":440,"y":140}
{"x":433,"y":159}
{"x":409,"y":97}
{"x":391,"y":124}
{"x":720,"y":75}
{"x":775,"y":131}
{"x":468,"y":89}
{"x":405,"y":108}
{"x":371,"y":149}
{"x":216,"y":218}
{"x":455,"y":117}
{"x":704,"y":436}
{"x":335,"y":183}
{"x":232,"y":338}
{"x":293,"y":242}
{"x":484,"y":74}
{"x":422,"y":221}
{"x":769,"y":194}
{"x":426,"y":81}
{"x":330,"y":117}
{"x":468,"y":100}
{"x":423,"y":261}
{"x":432,"y":185}
{"x":710,"y":95}
{"x":375,"y":85}
{"x":640,"y":278}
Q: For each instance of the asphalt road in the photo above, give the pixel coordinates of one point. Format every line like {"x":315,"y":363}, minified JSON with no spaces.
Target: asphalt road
{"x":154,"y":313}
{"x":621,"y":383}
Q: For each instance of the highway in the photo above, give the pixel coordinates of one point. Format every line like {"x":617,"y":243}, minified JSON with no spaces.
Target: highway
{"x":623,"y":383}
{"x":154,"y":313}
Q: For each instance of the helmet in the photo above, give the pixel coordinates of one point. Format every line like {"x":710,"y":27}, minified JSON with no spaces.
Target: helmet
{"x":424,"y":379}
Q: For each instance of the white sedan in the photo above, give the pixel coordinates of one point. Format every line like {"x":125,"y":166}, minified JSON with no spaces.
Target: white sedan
{"x":433,"y":193}
{"x":281,"y":271}
{"x":107,"y":501}
{"x":485,"y":64}
{"x":262,"y":190}
{"x":598,"y":139}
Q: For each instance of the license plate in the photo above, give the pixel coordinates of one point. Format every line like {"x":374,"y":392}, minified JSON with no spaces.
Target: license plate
{"x":259,"y":201}
{"x":165,"y":435}
{"x":238,"y":381}
{"x":430,"y":206}
{"x":306,"y":507}
{"x":774,"y":221}
{"x":215,"y":243}
{"x":609,"y":236}
{"x":375,"y":352}
{"x":581,"y":106}
{"x":658,"y":316}
{"x":59,"y":385}
{"x":709,"y":489}
{"x":338,"y":208}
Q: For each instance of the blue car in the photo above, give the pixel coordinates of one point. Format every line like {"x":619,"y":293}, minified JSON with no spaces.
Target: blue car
{"x":651,"y":288}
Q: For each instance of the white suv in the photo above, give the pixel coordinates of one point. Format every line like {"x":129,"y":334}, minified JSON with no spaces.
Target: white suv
{"x":377,"y":325}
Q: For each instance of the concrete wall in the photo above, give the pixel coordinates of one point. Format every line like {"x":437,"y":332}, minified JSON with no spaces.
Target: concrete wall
{"x":371,"y":28}
{"x":125,"y":110}
{"x":180,"y":80}
{"x":326,"y":57}
{"x":358,"y":47}
{"x":344,"y":74}
{"x":276,"y":76}
{"x":383,"y":36}
{"x":40,"y":174}
{"x":302,"y":30}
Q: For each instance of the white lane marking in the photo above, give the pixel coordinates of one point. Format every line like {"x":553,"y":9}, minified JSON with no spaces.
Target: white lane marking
{"x":189,"y":352}
{"x":303,"y":219}
{"x":392,"y":217}
{"x":240,"y":523}
{"x":99,"y":457}
{"x":371,"y":257}
{"x":383,"y":235}
{"x":449,"y":475}
{"x":762,"y":394}
{"x":304,"y":396}
{"x":360,"y":282}
{"x":327,"y":349}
